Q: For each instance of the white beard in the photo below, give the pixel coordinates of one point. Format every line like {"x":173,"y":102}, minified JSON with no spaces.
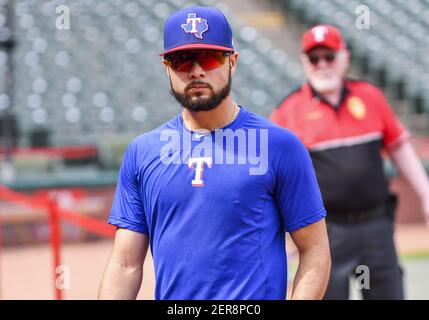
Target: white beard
{"x":323,"y":84}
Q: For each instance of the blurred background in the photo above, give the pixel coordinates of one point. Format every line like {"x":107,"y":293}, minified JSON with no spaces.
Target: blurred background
{"x":79,"y":79}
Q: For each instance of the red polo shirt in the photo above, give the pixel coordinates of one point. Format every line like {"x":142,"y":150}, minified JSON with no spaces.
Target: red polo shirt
{"x":345,"y":141}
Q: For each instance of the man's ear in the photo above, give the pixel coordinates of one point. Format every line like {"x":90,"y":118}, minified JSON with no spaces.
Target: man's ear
{"x":348,"y":60}
{"x":233,"y":61}
{"x":303,"y":57}
{"x":349,"y":55}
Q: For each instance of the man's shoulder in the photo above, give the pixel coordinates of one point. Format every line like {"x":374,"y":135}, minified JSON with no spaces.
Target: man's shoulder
{"x":257,"y":121}
{"x":277,"y":136}
{"x":285,"y":146}
{"x":293,"y":95}
{"x":362,"y":86}
{"x":283,"y":138}
{"x":151,"y":140}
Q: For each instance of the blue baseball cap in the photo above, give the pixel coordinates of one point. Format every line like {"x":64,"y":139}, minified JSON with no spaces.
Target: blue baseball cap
{"x":197,"y":28}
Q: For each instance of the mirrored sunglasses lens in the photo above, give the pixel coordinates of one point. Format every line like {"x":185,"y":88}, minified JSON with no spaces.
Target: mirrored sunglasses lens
{"x":210,"y":60}
{"x":182,"y":61}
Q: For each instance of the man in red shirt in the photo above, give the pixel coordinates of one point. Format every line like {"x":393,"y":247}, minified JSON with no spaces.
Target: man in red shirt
{"x":345,"y":124}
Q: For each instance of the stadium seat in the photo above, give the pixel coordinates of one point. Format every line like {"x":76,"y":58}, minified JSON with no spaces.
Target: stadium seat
{"x":104,"y":75}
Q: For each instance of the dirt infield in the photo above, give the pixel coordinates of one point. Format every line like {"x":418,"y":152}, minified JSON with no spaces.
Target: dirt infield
{"x":26,"y":271}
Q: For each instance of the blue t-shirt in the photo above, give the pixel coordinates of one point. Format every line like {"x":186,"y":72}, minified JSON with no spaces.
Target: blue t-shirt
{"x":216,"y":206}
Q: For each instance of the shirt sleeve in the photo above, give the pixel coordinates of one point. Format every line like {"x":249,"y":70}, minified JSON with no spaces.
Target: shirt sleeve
{"x":297,"y":191}
{"x":127,"y":208}
{"x":393,"y":131}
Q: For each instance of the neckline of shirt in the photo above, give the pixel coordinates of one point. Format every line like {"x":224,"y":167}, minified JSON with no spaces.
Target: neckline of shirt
{"x":235,"y":124}
{"x":344,"y":94}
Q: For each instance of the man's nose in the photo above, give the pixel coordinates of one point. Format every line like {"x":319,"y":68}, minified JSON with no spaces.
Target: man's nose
{"x":322,"y":63}
{"x":197,"y":71}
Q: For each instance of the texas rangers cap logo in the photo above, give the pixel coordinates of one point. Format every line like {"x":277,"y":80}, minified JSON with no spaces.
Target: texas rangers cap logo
{"x":195,"y":26}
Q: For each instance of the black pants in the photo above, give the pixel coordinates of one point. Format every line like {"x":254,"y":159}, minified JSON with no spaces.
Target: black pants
{"x":370,"y":244}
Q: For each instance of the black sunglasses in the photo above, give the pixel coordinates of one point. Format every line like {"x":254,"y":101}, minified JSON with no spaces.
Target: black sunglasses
{"x":329,"y":57}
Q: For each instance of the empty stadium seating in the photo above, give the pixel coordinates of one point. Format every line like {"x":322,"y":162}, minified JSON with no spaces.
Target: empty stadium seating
{"x":103,"y":77}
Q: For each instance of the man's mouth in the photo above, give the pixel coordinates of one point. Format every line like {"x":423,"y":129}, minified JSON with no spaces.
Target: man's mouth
{"x":198,"y":86}
{"x":325,"y":74}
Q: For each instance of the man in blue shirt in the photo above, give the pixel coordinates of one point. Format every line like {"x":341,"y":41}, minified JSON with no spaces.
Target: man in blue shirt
{"x":214,"y":190}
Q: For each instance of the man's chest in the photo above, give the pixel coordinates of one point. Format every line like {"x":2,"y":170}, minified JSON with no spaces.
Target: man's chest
{"x":202,"y":197}
{"x":315,"y":122}
{"x":208,"y":178}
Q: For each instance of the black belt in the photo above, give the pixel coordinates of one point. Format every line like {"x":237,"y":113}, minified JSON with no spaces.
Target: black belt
{"x":357,"y":216}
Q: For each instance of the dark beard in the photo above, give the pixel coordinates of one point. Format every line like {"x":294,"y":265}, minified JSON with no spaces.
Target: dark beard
{"x":211,"y":103}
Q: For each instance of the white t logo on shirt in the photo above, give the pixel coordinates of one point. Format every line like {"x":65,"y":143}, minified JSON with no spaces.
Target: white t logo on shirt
{"x":199,"y":169}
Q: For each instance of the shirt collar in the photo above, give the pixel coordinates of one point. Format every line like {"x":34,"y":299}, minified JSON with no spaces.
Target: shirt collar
{"x":344,"y":92}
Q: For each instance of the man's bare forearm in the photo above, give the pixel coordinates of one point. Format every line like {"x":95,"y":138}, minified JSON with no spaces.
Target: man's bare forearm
{"x":411,"y":168}
{"x":120,"y":282}
{"x":312,"y":275}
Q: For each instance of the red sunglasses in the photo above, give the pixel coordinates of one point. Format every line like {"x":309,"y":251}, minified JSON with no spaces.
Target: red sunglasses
{"x":208,"y":59}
